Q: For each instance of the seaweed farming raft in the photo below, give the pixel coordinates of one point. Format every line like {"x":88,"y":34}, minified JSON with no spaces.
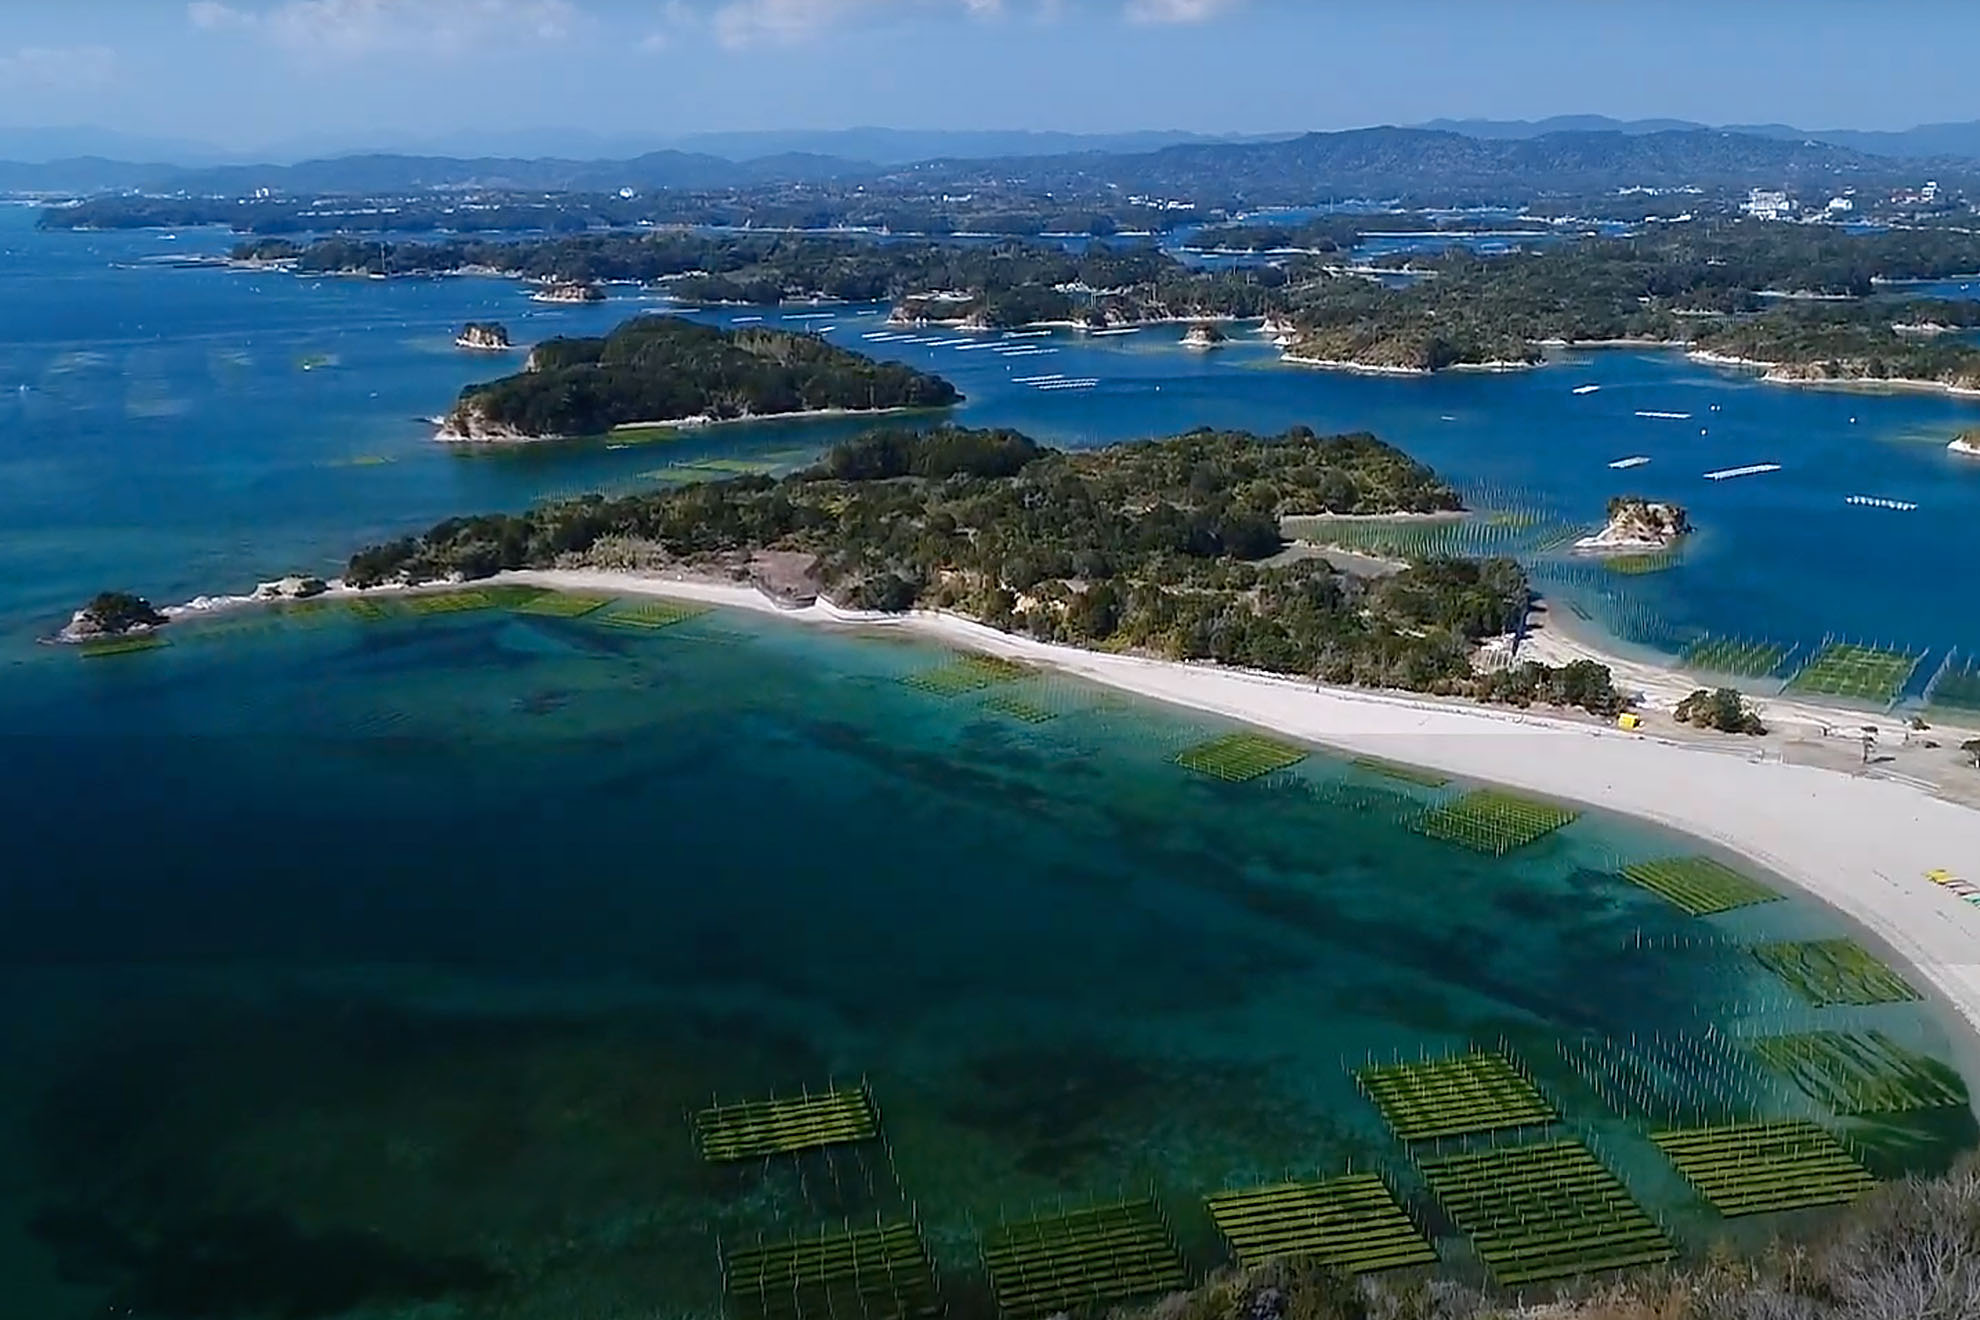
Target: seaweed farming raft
{"x":882,"y":1272}
{"x":1353,"y":1223}
{"x":1477,"y":1092}
{"x":758,"y":1129}
{"x":1545,"y":1212}
{"x":1092,"y":1257}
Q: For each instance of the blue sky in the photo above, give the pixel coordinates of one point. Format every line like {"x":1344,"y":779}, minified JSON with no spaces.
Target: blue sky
{"x":250,"y":73}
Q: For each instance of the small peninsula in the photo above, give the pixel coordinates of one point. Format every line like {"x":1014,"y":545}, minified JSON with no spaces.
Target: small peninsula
{"x":484,"y":337}
{"x":662,"y":370}
{"x":1967,"y":442}
{"x":1635,"y":525}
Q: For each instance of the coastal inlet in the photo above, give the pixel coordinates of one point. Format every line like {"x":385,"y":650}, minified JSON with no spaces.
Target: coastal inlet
{"x":432,"y":1027}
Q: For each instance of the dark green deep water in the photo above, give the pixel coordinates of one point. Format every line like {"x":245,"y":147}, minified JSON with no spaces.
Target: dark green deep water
{"x":372,"y":969}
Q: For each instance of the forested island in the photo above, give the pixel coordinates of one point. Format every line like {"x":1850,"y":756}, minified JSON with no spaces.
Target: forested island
{"x":1724,"y":288}
{"x":989,"y":285}
{"x":1168,"y":546}
{"x":663,"y":369}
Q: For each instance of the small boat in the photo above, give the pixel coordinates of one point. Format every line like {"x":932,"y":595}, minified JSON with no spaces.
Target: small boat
{"x":1584,"y":389}
{"x":1636,"y":461}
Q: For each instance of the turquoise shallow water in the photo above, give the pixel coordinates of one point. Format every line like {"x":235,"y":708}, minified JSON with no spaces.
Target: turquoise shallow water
{"x":349,"y":966}
{"x":400,"y":951}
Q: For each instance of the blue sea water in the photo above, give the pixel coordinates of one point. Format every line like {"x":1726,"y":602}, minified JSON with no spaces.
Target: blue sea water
{"x":373,"y":969}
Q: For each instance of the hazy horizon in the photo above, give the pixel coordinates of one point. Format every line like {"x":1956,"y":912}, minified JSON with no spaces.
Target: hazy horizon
{"x":295,"y":76}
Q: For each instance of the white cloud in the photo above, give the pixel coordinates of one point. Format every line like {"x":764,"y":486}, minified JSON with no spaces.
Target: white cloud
{"x":738,"y":24}
{"x":1178,"y":11}
{"x":366,"y":27}
{"x":58,"y":67}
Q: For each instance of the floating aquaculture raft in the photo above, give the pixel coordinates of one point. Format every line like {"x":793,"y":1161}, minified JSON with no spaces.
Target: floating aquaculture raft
{"x":1545,"y":1212}
{"x":1755,"y":1168}
{"x":1699,"y":885}
{"x":757,"y":1129}
{"x":1087,"y":1258}
{"x":1352,"y":1223}
{"x":648,"y":615}
{"x":1860,"y":1072}
{"x":879,"y":1273}
{"x":1493,"y":822}
{"x":1477,"y":1092}
{"x":1236,"y":757}
{"x":969,"y":673}
{"x":562,"y":604}
{"x":1834,"y":972}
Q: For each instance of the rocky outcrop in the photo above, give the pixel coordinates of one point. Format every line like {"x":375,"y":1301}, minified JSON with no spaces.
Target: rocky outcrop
{"x":1966,"y":442}
{"x":569,"y":293}
{"x":111,"y":614}
{"x":297,"y":586}
{"x":483,"y":337}
{"x":1636,"y":525}
{"x":469,"y":423}
{"x":1204,"y":335}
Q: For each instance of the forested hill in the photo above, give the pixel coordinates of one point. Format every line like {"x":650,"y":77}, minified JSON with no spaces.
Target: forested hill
{"x":663,"y":368}
{"x":1166,"y":546}
{"x":1382,"y":162}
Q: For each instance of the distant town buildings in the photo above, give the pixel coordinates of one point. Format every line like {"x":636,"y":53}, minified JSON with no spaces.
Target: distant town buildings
{"x":1767,"y":204}
{"x":1926,"y":196}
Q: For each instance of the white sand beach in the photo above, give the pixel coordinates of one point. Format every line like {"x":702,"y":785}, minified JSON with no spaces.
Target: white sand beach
{"x":1861,"y":844}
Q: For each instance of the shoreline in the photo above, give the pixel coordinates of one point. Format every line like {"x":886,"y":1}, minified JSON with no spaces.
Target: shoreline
{"x":1779,"y":373}
{"x":698,"y":422}
{"x":1857,"y":844}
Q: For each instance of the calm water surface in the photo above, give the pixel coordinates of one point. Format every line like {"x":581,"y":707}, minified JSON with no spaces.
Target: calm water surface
{"x":372,"y":970}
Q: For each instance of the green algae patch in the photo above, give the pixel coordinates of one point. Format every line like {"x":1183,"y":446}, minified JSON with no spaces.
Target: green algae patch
{"x":1407,"y":774}
{"x":132,"y":645}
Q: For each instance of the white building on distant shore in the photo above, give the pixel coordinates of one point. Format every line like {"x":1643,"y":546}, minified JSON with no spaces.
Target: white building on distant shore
{"x":1764,"y":204}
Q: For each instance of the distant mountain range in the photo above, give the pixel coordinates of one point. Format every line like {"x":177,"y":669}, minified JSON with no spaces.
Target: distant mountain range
{"x":1925,"y":141}
{"x":1421,"y":162}
{"x":1490,"y":158}
{"x":880,"y":146}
